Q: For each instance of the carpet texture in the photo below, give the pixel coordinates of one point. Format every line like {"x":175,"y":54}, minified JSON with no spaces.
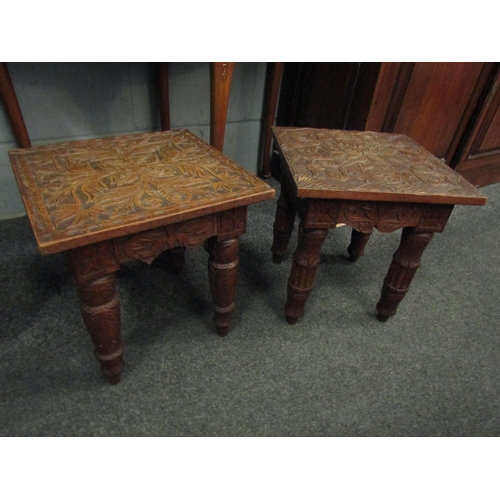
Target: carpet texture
{"x":432,"y":370}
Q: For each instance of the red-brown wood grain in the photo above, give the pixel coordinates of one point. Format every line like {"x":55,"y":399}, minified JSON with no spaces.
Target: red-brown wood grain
{"x":434,"y":102}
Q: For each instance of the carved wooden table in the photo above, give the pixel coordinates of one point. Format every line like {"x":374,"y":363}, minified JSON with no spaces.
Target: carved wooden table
{"x":106,"y":201}
{"x":366,"y":180}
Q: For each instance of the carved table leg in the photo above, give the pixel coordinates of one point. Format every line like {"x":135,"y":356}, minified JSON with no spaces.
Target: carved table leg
{"x":175,"y":261}
{"x":358,"y":242}
{"x":305,"y":263}
{"x":223,"y":265}
{"x":283,"y":224}
{"x":101,"y":313}
{"x":404,"y":265}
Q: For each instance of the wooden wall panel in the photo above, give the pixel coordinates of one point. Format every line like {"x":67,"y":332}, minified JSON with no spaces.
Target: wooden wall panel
{"x":491,"y":140}
{"x":435,"y":100}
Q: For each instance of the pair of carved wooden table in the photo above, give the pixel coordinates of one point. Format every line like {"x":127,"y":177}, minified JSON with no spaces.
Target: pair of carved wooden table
{"x":366,"y":180}
{"x":106,"y":201}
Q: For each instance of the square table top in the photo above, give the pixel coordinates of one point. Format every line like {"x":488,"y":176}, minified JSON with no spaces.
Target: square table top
{"x":81,"y":192}
{"x":374,"y":166}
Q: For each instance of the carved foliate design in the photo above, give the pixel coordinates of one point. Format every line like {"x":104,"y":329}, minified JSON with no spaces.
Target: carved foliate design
{"x":96,"y":292}
{"x":405,"y":263}
{"x":93,"y":261}
{"x":435,"y":217}
{"x":369,"y":165}
{"x":100,"y":309}
{"x":232,"y":222}
{"x":147,"y":245}
{"x":103,"y":324}
{"x":364,"y":216}
{"x":398,"y":215}
{"x":305,"y":263}
{"x":386,"y":217}
{"x":73,"y":189}
{"x":320,"y":213}
{"x":309,"y":245}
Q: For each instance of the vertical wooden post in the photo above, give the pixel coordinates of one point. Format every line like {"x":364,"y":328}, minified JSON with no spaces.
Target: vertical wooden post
{"x":9,"y":98}
{"x":164,"y":96}
{"x":221,"y":75}
{"x":273,"y":81}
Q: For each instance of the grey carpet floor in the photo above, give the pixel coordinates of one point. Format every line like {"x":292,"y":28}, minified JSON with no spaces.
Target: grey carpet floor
{"x":432,"y":370}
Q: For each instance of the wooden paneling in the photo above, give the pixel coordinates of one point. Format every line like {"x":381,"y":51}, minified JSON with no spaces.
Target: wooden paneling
{"x":478,"y":158}
{"x":491,"y":140}
{"x":434,"y":102}
{"x":382,"y":96}
{"x":451,"y":109}
{"x":326,"y":95}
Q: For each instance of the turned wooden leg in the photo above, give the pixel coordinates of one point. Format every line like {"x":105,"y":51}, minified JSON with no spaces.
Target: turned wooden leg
{"x":175,"y":261}
{"x":404,"y":265}
{"x":305,"y":263}
{"x":358,"y":242}
{"x":223,"y":265}
{"x":101,"y":313}
{"x":283,"y":225}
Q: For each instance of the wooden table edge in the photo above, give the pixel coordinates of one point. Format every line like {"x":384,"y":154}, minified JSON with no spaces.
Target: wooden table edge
{"x":391,"y":197}
{"x":71,"y":242}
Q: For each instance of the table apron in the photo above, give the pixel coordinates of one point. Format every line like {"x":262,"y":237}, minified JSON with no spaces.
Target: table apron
{"x":364,"y":216}
{"x":102,"y":258}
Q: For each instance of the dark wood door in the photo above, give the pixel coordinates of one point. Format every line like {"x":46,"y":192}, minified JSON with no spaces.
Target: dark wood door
{"x":430,"y":102}
{"x":326,"y":95}
{"x":436,"y":100}
{"x":478,"y":160}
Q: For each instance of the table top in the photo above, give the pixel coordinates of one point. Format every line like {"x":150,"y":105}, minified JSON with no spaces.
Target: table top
{"x":374,"y":166}
{"x":81,"y":192}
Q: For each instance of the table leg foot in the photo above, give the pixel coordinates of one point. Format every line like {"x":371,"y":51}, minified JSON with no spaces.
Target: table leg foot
{"x":113,"y":380}
{"x":283,"y":225}
{"x":305,"y":263}
{"x":100,"y":309}
{"x":357,"y":247}
{"x":222,"y":331}
{"x":223,"y":264}
{"x":404,"y":265}
{"x":278,"y":259}
{"x":112,"y":369}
